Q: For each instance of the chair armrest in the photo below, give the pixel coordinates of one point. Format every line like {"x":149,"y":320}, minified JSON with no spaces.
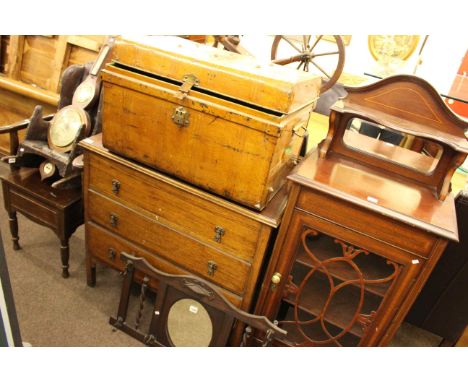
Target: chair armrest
{"x":13,"y":131}
{"x":20,"y":125}
{"x":14,"y":127}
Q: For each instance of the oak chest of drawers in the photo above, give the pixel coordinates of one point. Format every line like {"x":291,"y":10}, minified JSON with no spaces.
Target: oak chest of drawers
{"x":178,"y":228}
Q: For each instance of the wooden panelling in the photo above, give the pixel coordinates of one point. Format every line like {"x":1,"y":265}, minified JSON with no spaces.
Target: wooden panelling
{"x":13,"y":108}
{"x":4,"y":41}
{"x":80,"y":55}
{"x":31,"y":68}
{"x":38,"y":55}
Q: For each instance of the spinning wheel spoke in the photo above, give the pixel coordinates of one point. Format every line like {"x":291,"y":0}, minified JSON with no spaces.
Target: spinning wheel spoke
{"x":316,"y":42}
{"x":300,"y":64}
{"x":292,"y":44}
{"x":326,"y":54}
{"x":319,"y":68}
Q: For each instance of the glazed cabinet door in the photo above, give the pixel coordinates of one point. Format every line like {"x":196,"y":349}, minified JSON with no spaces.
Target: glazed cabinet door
{"x":335,"y":287}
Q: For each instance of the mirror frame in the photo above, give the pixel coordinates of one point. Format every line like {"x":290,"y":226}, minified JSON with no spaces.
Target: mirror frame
{"x":396,"y":148}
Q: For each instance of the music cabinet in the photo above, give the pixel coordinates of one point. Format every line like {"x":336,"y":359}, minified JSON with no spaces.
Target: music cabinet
{"x":369,"y":214}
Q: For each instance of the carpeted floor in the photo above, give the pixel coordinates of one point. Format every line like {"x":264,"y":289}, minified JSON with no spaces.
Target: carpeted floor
{"x":53,"y":311}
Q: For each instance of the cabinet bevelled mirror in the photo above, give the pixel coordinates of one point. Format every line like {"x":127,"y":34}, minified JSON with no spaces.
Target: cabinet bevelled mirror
{"x":388,"y":144}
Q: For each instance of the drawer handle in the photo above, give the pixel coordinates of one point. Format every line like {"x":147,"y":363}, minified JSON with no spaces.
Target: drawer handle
{"x":115,"y":186}
{"x":114,"y":219}
{"x":212,"y":266}
{"x":219,"y":231}
{"x":297,"y":129}
{"x":111,"y":253}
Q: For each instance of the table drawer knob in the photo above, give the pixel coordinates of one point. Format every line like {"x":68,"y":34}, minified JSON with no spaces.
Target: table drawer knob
{"x":219,"y":231}
{"x":115,"y":186}
{"x":212,"y":266}
{"x":114,"y":219}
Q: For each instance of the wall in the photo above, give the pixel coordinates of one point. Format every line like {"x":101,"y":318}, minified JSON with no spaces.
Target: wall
{"x":441,"y":59}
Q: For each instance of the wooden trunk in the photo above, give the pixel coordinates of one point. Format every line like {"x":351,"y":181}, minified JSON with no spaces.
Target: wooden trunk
{"x":215,"y":119}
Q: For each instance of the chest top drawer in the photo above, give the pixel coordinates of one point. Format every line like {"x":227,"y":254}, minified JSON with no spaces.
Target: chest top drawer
{"x":176,"y":208}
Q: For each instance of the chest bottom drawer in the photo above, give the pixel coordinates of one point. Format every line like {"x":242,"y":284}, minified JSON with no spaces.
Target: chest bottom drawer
{"x":106,"y":247}
{"x":220,"y":268}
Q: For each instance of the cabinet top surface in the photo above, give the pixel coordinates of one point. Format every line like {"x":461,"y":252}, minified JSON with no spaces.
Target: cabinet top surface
{"x":380,"y":192}
{"x":270,"y":216}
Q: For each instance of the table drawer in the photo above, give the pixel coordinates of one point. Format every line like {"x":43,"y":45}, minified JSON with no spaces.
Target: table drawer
{"x":33,"y":209}
{"x":359,"y":219}
{"x":107,"y":247}
{"x":176,"y":207}
{"x":142,"y":229}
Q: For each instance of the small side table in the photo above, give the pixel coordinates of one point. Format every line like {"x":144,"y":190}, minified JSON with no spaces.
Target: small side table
{"x":60,"y":210}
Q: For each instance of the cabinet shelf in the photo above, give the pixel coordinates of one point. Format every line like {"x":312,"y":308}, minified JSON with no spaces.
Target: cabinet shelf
{"x":372,"y":267}
{"x":341,"y":308}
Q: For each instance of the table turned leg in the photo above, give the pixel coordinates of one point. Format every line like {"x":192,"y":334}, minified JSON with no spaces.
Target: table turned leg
{"x":65,"y":255}
{"x":14,"y":230}
{"x":90,"y":273}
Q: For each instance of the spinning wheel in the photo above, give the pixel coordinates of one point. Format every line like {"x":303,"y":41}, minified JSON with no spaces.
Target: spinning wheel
{"x":319,"y":55}
{"x":229,"y":42}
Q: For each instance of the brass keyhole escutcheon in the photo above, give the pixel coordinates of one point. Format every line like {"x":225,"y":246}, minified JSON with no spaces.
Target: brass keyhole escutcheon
{"x":181,"y":116}
{"x":115,"y":186}
{"x":114,"y":219}
{"x":212,"y":266}
{"x":219,"y":231}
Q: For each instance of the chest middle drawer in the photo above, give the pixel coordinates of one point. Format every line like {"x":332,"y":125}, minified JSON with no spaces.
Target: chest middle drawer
{"x":220,"y":268}
{"x":176,"y":205}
